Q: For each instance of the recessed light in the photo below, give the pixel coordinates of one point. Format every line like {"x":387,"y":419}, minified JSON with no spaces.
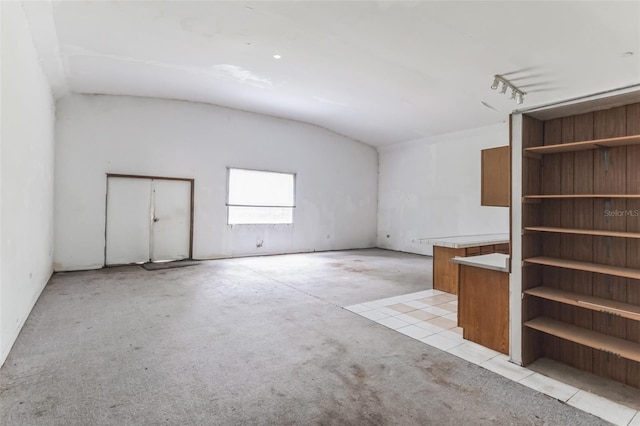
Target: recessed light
{"x":277,"y":56}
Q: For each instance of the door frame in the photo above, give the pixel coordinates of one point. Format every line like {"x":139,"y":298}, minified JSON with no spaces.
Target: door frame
{"x":119,"y":175}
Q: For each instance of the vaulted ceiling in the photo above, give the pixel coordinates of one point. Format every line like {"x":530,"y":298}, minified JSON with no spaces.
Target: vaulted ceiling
{"x":381,"y":72}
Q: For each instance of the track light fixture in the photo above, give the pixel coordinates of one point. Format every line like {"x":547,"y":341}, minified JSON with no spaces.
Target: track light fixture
{"x":516,"y":93}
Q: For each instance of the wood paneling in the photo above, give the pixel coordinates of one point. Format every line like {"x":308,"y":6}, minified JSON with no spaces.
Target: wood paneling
{"x":582,"y":356}
{"x":609,"y":176}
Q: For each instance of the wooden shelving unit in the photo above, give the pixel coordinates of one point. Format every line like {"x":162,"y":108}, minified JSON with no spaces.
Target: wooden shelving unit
{"x":580,"y":241}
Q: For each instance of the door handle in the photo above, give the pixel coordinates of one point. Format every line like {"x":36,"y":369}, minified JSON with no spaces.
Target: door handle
{"x":155,"y":219}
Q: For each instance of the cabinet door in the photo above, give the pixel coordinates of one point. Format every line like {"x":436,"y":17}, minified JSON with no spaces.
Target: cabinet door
{"x":496,"y":176}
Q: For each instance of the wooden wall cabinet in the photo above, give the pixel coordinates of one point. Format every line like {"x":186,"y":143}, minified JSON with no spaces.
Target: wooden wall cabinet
{"x":581,"y":241}
{"x":496,"y":175}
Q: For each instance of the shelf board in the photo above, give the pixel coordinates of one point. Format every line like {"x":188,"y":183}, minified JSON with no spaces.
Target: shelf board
{"x":561,"y":196}
{"x":614,"y":345}
{"x":625,"y":310}
{"x":584,"y":232}
{"x":585,"y":145}
{"x":586,"y":266}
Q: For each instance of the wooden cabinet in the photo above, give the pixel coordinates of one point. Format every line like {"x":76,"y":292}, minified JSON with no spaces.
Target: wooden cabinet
{"x":445,"y":273}
{"x":483,"y":307}
{"x":581,"y":241}
{"x":496,"y":175}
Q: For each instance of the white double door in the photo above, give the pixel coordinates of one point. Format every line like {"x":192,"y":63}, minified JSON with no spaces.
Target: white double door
{"x":147,"y":220}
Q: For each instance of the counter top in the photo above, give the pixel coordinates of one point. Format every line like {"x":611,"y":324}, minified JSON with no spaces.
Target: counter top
{"x":465,"y":241}
{"x":494,"y":261}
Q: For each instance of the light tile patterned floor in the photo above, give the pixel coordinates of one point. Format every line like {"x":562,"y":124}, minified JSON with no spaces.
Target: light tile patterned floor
{"x":430,"y":316}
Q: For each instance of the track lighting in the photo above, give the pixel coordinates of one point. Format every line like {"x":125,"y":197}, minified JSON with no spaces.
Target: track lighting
{"x":516,"y":93}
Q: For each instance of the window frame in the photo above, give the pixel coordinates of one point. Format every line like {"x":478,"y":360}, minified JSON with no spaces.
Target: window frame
{"x":228,"y":204}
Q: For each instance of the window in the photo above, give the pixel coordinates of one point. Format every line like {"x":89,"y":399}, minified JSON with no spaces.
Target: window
{"x":257,"y":197}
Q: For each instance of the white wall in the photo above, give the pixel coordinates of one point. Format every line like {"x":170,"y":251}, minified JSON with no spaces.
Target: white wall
{"x":336,"y":176}
{"x":431,"y":188}
{"x":26,"y":190}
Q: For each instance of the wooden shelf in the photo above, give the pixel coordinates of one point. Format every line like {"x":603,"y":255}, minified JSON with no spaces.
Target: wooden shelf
{"x":567,"y":192}
{"x":593,"y":303}
{"x":614,"y":345}
{"x":586,"y":145}
{"x":586,"y":266}
{"x":584,"y":232}
{"x":561,"y":196}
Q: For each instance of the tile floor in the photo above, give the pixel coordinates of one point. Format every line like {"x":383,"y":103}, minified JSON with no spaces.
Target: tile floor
{"x":430,"y":316}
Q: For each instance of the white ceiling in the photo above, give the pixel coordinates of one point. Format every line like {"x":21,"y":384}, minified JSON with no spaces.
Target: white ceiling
{"x":380,"y":72}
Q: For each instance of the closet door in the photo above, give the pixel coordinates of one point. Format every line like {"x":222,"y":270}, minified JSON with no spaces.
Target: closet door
{"x":128,"y":220}
{"x":171,"y":222}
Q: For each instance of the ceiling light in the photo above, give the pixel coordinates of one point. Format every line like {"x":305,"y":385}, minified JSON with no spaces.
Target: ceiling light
{"x":516,"y":93}
{"x":277,"y":56}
